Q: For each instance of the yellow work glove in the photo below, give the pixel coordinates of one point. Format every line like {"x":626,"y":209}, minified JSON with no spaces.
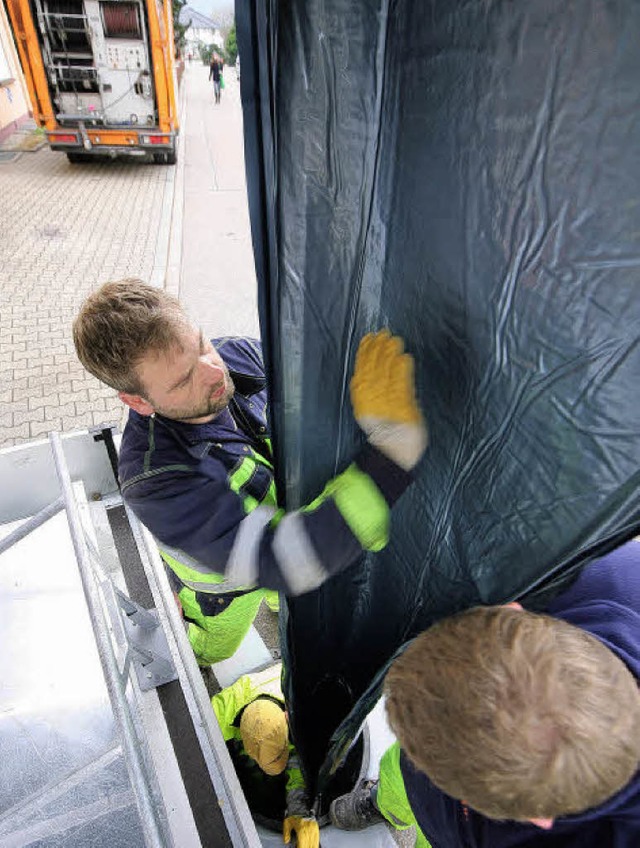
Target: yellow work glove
{"x":383,"y":395}
{"x":306,"y":830}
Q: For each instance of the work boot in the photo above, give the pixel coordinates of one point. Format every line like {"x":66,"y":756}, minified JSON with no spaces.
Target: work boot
{"x":356,"y":810}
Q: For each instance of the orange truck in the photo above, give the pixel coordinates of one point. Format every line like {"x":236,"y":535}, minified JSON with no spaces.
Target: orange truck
{"x":101,"y":75}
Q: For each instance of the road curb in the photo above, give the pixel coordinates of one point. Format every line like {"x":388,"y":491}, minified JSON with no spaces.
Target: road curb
{"x":168,"y":253}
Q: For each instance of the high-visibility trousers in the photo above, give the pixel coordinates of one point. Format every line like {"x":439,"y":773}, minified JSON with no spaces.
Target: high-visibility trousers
{"x":391,"y":798}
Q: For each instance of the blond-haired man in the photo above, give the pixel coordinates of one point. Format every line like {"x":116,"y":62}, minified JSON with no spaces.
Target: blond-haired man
{"x":196,"y":464}
{"x":516,"y":729}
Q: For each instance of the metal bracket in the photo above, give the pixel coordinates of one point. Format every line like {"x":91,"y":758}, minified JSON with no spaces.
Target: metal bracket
{"x":104,"y":433}
{"x":147,"y":643}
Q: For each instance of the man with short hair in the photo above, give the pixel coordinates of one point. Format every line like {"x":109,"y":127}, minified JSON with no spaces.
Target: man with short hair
{"x":196,"y":466}
{"x":516,"y":729}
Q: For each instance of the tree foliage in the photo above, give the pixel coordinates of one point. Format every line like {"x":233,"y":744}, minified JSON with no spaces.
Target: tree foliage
{"x":179,"y":29}
{"x":206,"y":52}
{"x":231,"y":46}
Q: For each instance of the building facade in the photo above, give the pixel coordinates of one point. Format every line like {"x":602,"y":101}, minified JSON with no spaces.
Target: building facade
{"x":202,"y":32}
{"x":15,"y":108}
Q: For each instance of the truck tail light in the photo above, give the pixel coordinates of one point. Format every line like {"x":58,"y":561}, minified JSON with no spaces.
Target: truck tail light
{"x":63,"y":138}
{"x":155,"y":139}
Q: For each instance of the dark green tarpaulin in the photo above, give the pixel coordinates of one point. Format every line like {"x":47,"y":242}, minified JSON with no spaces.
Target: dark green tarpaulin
{"x":468,"y":174}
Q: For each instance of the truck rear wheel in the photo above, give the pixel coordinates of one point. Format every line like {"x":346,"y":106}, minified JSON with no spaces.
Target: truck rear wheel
{"x":168,"y":158}
{"x":77,"y":158}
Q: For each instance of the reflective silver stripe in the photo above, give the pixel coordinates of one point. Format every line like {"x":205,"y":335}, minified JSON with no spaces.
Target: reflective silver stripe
{"x":216,"y":585}
{"x":215,"y":588}
{"x":185,"y":559}
{"x":242,"y":565}
{"x":298,"y":561}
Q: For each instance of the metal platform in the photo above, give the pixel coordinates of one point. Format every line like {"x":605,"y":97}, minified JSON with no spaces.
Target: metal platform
{"x":107,"y":736}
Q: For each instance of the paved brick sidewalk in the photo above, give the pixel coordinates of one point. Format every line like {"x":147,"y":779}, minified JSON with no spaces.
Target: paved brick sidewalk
{"x":64,"y":229}
{"x":214,"y":276}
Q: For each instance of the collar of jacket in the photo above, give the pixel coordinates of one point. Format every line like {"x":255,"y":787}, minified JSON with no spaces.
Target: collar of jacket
{"x":247,"y":384}
{"x":198,"y":438}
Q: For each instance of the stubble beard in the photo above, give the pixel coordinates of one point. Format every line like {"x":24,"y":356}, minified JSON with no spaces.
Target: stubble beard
{"x":210,"y":407}
{"x":217,"y":405}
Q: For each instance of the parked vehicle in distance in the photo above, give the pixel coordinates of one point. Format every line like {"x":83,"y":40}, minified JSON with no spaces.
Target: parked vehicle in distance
{"x":101,"y":75}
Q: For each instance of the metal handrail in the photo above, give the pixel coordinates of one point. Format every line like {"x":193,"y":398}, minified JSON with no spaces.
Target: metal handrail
{"x":31,"y":524}
{"x":240,"y":824}
{"x":116,"y":687}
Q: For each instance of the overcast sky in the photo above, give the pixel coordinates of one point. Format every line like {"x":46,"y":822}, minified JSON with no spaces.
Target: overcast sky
{"x":216,"y":9}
